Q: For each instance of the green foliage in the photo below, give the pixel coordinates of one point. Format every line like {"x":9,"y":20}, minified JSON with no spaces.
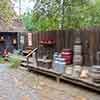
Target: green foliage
{"x":14,"y":61}
{"x":82,"y":14}
{"x":51,"y":14}
{"x":5,"y":10}
{"x":27,"y":21}
{"x":1,"y":59}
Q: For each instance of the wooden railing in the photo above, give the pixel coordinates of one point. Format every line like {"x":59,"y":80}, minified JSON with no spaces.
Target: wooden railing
{"x":27,"y":57}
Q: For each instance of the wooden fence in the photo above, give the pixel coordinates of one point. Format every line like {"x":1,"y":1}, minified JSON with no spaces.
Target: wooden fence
{"x":90,"y":39}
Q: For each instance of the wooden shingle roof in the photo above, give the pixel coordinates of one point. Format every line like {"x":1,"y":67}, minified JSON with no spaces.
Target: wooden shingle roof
{"x":16,"y":25}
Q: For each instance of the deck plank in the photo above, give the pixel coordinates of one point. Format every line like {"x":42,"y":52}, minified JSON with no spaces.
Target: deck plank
{"x":85,"y":83}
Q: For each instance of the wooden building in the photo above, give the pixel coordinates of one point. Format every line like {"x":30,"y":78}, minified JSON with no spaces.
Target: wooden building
{"x":90,"y":39}
{"x":10,"y":35}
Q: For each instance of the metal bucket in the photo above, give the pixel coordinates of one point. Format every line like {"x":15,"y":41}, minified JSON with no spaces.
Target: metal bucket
{"x":59,"y":65}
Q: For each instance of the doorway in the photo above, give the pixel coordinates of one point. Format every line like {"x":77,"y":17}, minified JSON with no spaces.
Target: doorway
{"x":8,"y":40}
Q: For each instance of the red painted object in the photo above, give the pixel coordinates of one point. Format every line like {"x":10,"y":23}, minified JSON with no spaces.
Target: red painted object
{"x":67,"y":55}
{"x":47,"y":40}
{"x":5,"y":53}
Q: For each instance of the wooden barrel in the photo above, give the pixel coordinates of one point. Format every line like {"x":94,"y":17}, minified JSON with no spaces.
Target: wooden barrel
{"x":68,"y":69}
{"x":67,"y":55}
{"x":77,"y":59}
{"x":77,"y":52}
{"x":95,"y":73}
{"x":77,"y":47}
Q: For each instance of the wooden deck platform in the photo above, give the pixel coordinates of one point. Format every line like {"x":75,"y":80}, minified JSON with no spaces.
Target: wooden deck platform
{"x":50,"y":72}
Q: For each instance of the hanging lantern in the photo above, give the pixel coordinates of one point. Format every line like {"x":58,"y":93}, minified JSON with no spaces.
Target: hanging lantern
{"x":2,"y":38}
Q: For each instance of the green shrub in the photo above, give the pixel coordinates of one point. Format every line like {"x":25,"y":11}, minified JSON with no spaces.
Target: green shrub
{"x":1,"y":59}
{"x":14,"y":61}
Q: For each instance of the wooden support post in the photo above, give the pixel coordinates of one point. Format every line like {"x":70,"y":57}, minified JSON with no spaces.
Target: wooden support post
{"x":58,"y":80}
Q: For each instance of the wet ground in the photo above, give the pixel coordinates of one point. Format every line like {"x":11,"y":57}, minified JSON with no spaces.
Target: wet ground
{"x":19,"y":84}
{"x":11,"y":88}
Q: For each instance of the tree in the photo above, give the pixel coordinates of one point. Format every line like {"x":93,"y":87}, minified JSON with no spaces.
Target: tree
{"x":79,"y":13}
{"x":48,"y":13}
{"x":6,"y":10}
{"x":58,"y":14}
{"x":27,"y":20}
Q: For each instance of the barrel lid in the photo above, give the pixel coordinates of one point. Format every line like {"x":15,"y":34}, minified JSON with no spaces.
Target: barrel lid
{"x":67,"y":50}
{"x":60,"y":59}
{"x":96,"y":67}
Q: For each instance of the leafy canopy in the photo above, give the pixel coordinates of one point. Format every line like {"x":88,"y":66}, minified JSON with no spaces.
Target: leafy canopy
{"x":6,"y":10}
{"x":51,"y":14}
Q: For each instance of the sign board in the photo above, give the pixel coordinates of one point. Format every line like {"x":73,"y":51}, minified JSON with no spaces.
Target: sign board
{"x":29,"y":39}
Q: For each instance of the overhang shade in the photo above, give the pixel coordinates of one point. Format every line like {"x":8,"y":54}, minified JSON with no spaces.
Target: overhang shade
{"x":14,"y":26}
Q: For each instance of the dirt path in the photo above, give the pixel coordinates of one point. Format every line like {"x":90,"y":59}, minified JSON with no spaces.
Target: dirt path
{"x":19,"y":84}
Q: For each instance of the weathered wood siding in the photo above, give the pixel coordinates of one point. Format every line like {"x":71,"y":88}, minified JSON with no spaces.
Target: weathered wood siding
{"x":65,"y":39}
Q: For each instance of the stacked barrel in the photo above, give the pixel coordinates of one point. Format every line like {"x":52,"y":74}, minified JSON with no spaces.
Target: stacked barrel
{"x":77,"y":52}
{"x":67,"y":55}
{"x":77,"y":58}
{"x":95,"y":73}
